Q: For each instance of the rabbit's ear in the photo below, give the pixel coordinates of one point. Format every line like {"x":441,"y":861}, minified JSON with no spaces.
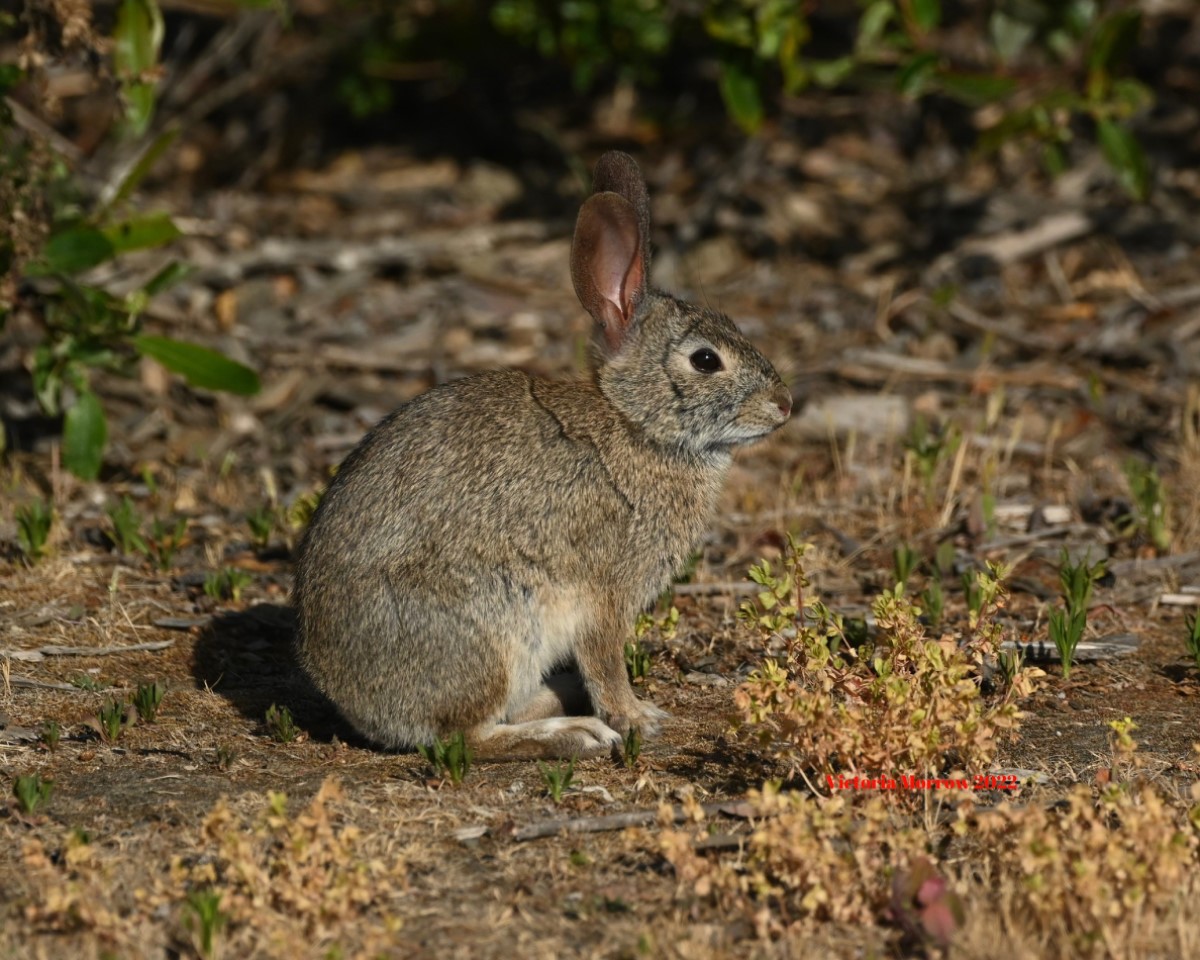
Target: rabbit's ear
{"x":608,"y":263}
{"x":618,"y":172}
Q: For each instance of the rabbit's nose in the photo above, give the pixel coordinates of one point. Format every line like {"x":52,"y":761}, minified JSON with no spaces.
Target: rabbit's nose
{"x":783,"y":400}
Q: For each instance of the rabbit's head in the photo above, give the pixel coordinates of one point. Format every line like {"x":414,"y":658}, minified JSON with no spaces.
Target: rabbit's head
{"x":682,"y":373}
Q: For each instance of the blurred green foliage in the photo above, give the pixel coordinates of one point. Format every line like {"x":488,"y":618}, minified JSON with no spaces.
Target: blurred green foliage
{"x":1044,"y":64}
{"x":56,"y":234}
{"x":1041,"y":72}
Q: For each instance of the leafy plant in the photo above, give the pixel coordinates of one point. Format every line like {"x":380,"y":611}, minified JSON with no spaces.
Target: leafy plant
{"x":904,"y":563}
{"x":165,"y":542}
{"x":930,"y":446}
{"x":637,"y":660}
{"x":1066,"y":630}
{"x":632,"y":747}
{"x":147,"y":699}
{"x":227,"y":583}
{"x":557,"y":778}
{"x":933,"y":601}
{"x":126,"y":528}
{"x":32,"y":792}
{"x":88,"y":683}
{"x":50,"y":735}
{"x":261,"y":521}
{"x":205,"y":919}
{"x":1010,"y":661}
{"x":85,"y":327}
{"x":280,"y":725}
{"x":112,"y":720}
{"x":1192,"y":638}
{"x":34,"y":521}
{"x":908,"y":702}
{"x":972,"y":592}
{"x":1149,"y":498}
{"x":449,"y":758}
{"x":1067,"y":624}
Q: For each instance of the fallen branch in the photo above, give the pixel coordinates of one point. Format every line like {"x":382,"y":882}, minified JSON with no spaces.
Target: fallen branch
{"x":1088,"y":650}
{"x":41,"y":653}
{"x":619,"y":821}
{"x":42,"y":685}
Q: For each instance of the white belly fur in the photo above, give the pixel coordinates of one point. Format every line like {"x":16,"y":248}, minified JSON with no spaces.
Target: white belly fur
{"x":558,"y":617}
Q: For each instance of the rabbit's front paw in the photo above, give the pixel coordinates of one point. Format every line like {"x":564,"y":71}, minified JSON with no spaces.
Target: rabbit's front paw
{"x":645,"y":716}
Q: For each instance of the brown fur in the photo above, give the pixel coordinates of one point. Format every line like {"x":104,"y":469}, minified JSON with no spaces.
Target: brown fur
{"x":501,"y":527}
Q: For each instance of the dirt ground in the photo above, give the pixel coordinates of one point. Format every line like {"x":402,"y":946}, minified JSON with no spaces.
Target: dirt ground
{"x":885,"y":297}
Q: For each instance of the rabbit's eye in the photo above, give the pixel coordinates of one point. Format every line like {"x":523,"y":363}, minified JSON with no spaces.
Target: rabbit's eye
{"x":706,"y":361}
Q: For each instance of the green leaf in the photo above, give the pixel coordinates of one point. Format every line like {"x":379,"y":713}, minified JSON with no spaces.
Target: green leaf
{"x":74,"y":250}
{"x":976,"y":89}
{"x":139,"y":107}
{"x":139,"y":233}
{"x":85,"y":434}
{"x":1053,"y":159}
{"x":740,"y":91}
{"x":137,"y":173}
{"x":873,"y":22}
{"x":927,"y":13}
{"x":137,"y":40}
{"x":730,"y":26}
{"x":914,"y":75}
{"x":1125,"y":156}
{"x":829,"y":73}
{"x":1010,"y":36}
{"x":200,"y":366}
{"x":167,"y":277}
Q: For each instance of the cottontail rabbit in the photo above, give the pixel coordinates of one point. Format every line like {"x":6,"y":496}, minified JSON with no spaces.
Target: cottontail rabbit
{"x":500,"y":528}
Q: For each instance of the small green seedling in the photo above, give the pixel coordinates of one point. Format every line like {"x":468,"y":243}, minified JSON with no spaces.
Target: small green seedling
{"x":280,"y":724}
{"x":1150,"y":500}
{"x":1067,"y":624}
{"x":933,"y":601}
{"x":943,"y":559}
{"x":165,"y":542}
{"x":1066,"y":630}
{"x":637,"y":660}
{"x":632,"y":747}
{"x":126,"y":528}
{"x":302,"y":510}
{"x":205,"y":919}
{"x":51,"y":734}
{"x":224,"y":755}
{"x":261,"y":521}
{"x":557,"y":778}
{"x":449,"y":758}
{"x":87,"y":683}
{"x":904,"y":563}
{"x":34,"y":521}
{"x":972,"y":592}
{"x":1011,"y":661}
{"x":148,"y":698}
{"x":112,"y":720}
{"x":1077,"y":580}
{"x":227,"y":584}
{"x":1193,"y":637}
{"x":32,"y":792}
{"x":929,"y":447}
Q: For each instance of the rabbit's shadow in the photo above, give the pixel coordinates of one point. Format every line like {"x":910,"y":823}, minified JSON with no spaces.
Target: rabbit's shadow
{"x":249,"y":658}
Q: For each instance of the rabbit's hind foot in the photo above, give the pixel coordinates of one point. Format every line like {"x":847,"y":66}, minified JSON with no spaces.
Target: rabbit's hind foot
{"x":552,"y":737}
